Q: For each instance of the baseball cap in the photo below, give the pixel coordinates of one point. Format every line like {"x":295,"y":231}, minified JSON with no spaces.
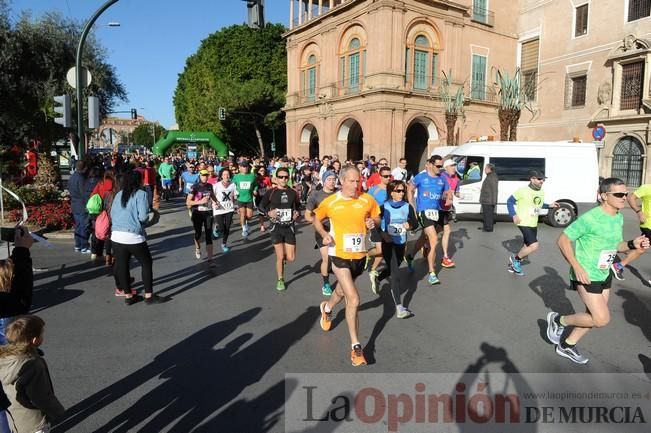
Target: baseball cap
{"x":204,"y":172}
{"x":537,"y":173}
{"x":449,"y":162}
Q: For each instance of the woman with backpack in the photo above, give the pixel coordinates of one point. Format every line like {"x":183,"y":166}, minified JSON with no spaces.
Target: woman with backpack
{"x":129,"y":214}
{"x":105,"y":189}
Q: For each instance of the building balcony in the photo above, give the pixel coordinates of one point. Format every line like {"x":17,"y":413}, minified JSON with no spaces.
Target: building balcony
{"x":482,"y":93}
{"x":483,"y":16}
{"x":302,"y":12}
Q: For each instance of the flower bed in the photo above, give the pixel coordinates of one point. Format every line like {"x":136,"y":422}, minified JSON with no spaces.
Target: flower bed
{"x":53,"y":215}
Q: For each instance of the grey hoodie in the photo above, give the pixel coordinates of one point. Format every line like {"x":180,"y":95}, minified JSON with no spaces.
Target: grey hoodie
{"x":26,"y":381}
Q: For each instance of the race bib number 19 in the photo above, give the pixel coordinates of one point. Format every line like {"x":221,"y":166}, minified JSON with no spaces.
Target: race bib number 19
{"x":354,"y":243}
{"x":606,"y":258}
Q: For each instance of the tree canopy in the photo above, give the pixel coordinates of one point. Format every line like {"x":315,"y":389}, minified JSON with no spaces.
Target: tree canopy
{"x":35,"y":55}
{"x":143,"y":135}
{"x":243,"y":70}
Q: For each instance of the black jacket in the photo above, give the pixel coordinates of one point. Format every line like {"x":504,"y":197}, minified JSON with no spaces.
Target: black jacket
{"x":488,"y":194}
{"x":19,"y":300}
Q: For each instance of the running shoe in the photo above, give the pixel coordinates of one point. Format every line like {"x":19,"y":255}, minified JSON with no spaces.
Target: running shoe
{"x":554,"y":330}
{"x":326,"y":290}
{"x":120,"y":292}
{"x":155,"y":299}
{"x":197,"y":254}
{"x":215,"y":234}
{"x":93,"y":256}
{"x":357,"y":356}
{"x":77,"y":249}
{"x":225,"y":248}
{"x":280,"y":285}
{"x":618,"y":270}
{"x":326,"y":318}
{"x":85,"y":251}
{"x":374,"y":281}
{"x":367,"y":263}
{"x":403,"y":312}
{"x":132,"y":300}
{"x":572,"y":353}
{"x":515,"y":266}
{"x":410,"y":262}
{"x":245,"y":234}
{"x":447,"y":263}
{"x":433,"y":279}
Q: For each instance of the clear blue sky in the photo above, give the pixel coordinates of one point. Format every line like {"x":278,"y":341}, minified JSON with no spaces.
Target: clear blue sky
{"x":155,"y":38}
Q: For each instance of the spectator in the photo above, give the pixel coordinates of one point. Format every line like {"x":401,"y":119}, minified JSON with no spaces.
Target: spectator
{"x":488,"y":197}
{"x":79,"y":195}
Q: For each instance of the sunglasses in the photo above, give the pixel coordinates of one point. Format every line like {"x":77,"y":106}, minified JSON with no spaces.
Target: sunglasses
{"x":387,"y":177}
{"x":282,"y":177}
{"x":541,"y":179}
{"x":618,"y":194}
{"x":399,"y":191}
{"x":438,"y":166}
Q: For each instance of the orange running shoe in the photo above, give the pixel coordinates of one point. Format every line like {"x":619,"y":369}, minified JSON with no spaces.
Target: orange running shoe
{"x":447,"y":263}
{"x":326,"y":318}
{"x":357,"y":356}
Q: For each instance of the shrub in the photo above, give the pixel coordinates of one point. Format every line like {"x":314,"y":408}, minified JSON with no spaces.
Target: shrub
{"x":54,"y":215}
{"x":30,"y":194}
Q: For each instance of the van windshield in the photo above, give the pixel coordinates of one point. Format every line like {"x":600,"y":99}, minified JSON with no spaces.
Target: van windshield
{"x":469,"y":168}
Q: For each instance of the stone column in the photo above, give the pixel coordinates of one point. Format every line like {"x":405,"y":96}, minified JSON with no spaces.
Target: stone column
{"x":300,"y":12}
{"x":320,"y":7}
{"x":291,"y":14}
{"x":309,"y":10}
{"x":331,"y":4}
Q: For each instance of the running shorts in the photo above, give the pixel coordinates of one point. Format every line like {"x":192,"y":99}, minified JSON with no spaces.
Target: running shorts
{"x":167,"y":182}
{"x":438,"y":224}
{"x":245,"y":204}
{"x":594,"y":286}
{"x":529,"y":234}
{"x":356,"y":266}
{"x":282,"y":234}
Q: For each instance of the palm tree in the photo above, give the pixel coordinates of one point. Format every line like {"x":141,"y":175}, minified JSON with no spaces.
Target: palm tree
{"x":453,"y":104}
{"x":513,"y":97}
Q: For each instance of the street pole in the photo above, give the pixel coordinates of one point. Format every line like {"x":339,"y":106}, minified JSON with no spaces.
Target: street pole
{"x":80,"y":91}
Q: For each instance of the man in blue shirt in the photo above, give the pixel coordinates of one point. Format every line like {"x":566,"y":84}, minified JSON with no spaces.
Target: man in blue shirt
{"x":379,"y":193}
{"x":188,"y":178}
{"x":432,"y":190}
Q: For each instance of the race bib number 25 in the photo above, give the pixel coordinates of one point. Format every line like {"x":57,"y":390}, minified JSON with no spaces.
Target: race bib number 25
{"x":606,"y":258}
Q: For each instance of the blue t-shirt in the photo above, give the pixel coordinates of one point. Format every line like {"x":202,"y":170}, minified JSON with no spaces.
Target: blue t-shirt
{"x":430,"y":191}
{"x":394,"y":216}
{"x":379,"y":194}
{"x":189,"y":180}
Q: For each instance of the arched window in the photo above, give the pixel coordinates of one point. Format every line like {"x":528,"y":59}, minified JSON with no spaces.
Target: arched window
{"x":421,"y":63}
{"x":309,"y":78}
{"x":352,"y":66}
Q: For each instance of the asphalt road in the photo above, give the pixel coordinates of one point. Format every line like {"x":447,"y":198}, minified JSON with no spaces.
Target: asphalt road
{"x":214,"y":358}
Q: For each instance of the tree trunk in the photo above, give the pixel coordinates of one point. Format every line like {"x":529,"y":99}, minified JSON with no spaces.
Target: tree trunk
{"x":450,"y":121}
{"x":515,"y":118}
{"x":503,"y":116}
{"x":260,"y":143}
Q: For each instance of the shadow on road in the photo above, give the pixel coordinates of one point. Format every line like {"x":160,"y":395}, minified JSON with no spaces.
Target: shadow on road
{"x":636,"y":312}
{"x":513,"y":245}
{"x":551,"y":288}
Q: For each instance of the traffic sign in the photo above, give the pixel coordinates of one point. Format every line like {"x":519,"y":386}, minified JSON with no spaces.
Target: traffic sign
{"x":599,"y":132}
{"x":71,"y":76}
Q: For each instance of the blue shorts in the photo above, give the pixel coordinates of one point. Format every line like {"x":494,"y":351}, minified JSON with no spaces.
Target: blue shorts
{"x":167,"y":182}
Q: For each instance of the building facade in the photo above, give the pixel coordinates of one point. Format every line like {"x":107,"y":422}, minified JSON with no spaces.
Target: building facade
{"x":591,"y":60}
{"x":364,"y":75}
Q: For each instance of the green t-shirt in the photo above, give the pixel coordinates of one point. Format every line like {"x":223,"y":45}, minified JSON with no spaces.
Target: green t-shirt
{"x":596,"y":235}
{"x":245,"y":184}
{"x":166,"y":170}
{"x":644,"y":194}
{"x":528,"y":205}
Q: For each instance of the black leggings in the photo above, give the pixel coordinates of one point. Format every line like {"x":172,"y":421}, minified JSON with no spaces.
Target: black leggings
{"x":223,"y":222}
{"x":123,"y":253}
{"x":203,"y":219}
{"x":393,"y":255}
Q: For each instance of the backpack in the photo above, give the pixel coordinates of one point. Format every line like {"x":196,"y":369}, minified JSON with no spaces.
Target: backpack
{"x":103,"y":220}
{"x":94,"y":204}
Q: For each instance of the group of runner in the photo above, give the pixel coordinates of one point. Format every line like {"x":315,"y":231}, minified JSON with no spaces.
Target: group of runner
{"x":347,"y":221}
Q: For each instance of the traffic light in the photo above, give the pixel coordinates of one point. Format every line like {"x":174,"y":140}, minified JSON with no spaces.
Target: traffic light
{"x":134,"y":114}
{"x":222,"y":113}
{"x":63,"y":109}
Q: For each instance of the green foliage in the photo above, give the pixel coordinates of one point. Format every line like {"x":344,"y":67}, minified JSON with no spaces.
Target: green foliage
{"x":35,"y":55}
{"x":512,"y":91}
{"x":30,"y":195}
{"x":243,"y":70}
{"x":453,"y":102}
{"x":143,"y":135}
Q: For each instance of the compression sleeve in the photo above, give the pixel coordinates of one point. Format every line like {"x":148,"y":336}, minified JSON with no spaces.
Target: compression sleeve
{"x":510,"y":205}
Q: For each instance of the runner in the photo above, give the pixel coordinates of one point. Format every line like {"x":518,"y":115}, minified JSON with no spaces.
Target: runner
{"x":224,"y":207}
{"x":246,"y":188}
{"x":432,"y":189}
{"x":199,"y":201}
{"x":398,"y":217}
{"x":374,"y":258}
{"x":524,"y":207}
{"x":450,"y":175}
{"x":350,"y":216}
{"x":187,"y":179}
{"x":264,"y":182}
{"x":166,"y":172}
{"x":281,"y":205}
{"x":313,"y":201}
{"x":643,"y":211}
{"x":597,"y":235}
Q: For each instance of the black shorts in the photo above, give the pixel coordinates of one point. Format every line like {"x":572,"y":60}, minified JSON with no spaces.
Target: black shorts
{"x":282,"y":234}
{"x":438,"y":224}
{"x":594,"y":286}
{"x":245,"y":204}
{"x":529,"y":234}
{"x":356,"y":266}
{"x":375,"y":235}
{"x":646,"y":232}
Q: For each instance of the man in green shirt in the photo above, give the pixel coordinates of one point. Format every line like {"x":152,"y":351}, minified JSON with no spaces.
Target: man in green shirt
{"x":245,"y":188}
{"x":643,"y":211}
{"x":166,"y":172}
{"x":524,"y":208}
{"x":597,"y":236}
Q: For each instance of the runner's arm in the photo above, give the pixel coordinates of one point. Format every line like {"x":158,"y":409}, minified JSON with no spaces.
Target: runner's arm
{"x":412,"y":219}
{"x":410,"y":194}
{"x":510,"y":205}
{"x":565,"y":245}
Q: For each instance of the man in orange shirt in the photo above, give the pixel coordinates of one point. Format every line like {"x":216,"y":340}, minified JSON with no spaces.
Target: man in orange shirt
{"x":350,"y":214}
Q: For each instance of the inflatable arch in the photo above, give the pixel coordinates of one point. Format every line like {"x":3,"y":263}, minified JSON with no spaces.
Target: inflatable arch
{"x":172,"y":137}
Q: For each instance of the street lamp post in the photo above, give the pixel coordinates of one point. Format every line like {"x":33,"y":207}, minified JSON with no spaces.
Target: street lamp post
{"x":80,"y":91}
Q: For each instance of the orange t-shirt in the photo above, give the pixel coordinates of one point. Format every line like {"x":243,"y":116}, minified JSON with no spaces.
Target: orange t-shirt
{"x":348,"y":223}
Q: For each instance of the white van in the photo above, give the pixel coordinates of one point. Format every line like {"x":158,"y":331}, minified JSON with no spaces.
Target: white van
{"x":571,"y":168}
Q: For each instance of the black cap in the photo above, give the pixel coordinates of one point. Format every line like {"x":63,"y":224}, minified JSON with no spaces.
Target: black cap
{"x":537,"y":173}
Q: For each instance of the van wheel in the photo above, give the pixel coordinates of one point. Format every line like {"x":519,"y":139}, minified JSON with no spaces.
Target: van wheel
{"x":562,"y":216}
